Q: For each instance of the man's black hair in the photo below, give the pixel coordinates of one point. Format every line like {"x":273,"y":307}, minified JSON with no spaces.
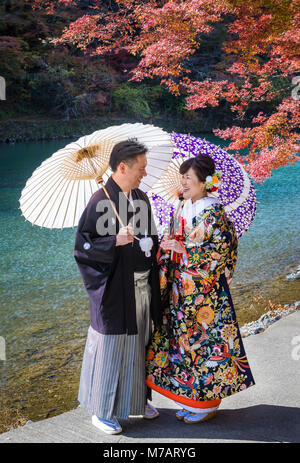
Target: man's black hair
{"x":126,"y":151}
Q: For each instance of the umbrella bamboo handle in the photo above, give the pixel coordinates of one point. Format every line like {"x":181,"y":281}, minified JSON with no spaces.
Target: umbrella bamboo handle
{"x":113,"y":206}
{"x":99,"y":180}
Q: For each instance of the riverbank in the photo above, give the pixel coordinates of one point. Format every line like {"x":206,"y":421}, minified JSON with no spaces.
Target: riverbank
{"x":38,"y":129}
{"x":267,"y":319}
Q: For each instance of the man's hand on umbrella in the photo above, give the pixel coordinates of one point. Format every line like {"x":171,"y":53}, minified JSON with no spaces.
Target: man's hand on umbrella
{"x":125,"y":236}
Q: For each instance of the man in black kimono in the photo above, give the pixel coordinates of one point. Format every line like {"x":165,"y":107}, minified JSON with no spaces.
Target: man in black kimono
{"x":123,"y":286}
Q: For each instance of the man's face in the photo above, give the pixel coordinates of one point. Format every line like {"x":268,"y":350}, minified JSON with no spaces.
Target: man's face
{"x":135,"y":173}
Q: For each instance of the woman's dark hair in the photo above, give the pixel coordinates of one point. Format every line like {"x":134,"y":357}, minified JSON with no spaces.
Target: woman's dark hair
{"x":203,"y":165}
{"x":126,"y":151}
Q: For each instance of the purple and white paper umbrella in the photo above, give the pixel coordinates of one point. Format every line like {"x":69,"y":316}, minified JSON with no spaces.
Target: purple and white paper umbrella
{"x":236,"y":191}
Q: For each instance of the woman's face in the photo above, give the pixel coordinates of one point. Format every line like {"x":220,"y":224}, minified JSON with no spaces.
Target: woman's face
{"x":192,"y":188}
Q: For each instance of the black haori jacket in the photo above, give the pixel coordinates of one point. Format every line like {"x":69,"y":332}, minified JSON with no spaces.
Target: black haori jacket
{"x":107,"y":270}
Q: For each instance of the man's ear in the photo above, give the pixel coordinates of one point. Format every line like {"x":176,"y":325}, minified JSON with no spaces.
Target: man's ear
{"x":122,"y":167}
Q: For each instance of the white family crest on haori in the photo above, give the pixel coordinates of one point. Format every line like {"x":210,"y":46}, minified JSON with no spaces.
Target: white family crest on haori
{"x":59,"y":189}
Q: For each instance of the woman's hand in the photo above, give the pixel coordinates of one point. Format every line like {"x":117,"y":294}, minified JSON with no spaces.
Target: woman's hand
{"x":164,"y":242}
{"x":171,"y":245}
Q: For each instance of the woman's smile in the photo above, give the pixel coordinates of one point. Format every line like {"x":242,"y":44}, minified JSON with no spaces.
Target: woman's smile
{"x":192,"y":188}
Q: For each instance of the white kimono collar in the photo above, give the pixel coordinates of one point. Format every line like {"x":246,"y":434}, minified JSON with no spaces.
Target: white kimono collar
{"x":190,"y":209}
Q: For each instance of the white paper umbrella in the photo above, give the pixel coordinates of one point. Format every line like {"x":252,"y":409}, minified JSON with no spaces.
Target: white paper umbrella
{"x":59,"y":189}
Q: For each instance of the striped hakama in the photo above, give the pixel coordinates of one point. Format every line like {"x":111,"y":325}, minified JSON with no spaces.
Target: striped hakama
{"x":112,"y":381}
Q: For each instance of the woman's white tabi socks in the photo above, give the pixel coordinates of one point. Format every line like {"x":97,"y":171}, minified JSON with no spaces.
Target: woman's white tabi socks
{"x":192,"y":415}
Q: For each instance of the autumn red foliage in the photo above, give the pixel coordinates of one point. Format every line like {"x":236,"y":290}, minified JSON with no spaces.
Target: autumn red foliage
{"x":260,"y":62}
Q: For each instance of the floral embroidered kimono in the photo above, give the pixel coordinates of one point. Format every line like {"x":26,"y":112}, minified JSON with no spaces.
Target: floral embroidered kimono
{"x":197,"y":357}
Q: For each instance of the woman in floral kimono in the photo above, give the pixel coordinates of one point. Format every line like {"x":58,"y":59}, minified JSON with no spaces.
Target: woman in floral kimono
{"x":197,"y":358}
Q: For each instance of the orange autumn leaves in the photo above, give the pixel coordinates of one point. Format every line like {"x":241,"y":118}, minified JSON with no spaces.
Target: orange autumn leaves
{"x":259,"y":59}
